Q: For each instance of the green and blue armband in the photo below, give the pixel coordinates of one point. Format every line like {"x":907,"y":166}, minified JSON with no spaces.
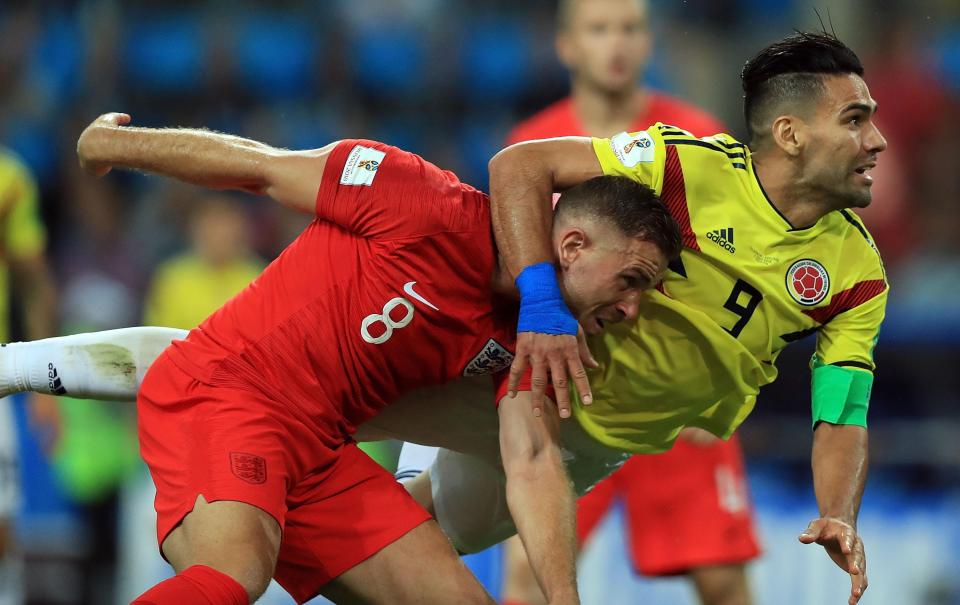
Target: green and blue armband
{"x":840,"y":394}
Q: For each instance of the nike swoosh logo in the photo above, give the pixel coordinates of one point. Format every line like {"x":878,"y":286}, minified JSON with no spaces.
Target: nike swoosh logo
{"x":408,"y":288}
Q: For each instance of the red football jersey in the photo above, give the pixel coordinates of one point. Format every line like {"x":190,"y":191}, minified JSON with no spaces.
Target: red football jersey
{"x":386,"y":291}
{"x":560,"y":120}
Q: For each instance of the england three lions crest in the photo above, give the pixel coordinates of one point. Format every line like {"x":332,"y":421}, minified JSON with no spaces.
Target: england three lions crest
{"x":492,"y":358}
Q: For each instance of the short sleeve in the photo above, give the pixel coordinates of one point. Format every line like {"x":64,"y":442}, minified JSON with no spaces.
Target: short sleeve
{"x":849,"y":338}
{"x":640,"y":156}
{"x":378,"y":191}
{"x":501,"y":381}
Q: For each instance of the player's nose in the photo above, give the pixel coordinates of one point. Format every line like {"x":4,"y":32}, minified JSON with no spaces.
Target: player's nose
{"x":629,"y":307}
{"x":875,"y":141}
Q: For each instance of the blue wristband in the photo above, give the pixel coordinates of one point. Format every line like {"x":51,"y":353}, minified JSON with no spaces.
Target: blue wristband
{"x":542,"y":309}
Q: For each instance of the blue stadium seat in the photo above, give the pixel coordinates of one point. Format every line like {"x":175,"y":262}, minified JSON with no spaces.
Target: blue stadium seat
{"x":164,"y":53}
{"x":56,"y":64}
{"x":388,"y":61}
{"x":36,"y":144}
{"x":949,"y":51}
{"x":495,"y":59}
{"x":276,"y":56}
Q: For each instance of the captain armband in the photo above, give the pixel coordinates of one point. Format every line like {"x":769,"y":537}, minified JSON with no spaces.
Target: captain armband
{"x":840,"y":394}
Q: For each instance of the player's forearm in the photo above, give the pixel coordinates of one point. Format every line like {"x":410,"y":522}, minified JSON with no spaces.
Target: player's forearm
{"x":543,"y":507}
{"x":523,"y":178}
{"x":839,"y":461}
{"x":521,"y":187}
{"x":200,"y":157}
{"x":539,"y":494}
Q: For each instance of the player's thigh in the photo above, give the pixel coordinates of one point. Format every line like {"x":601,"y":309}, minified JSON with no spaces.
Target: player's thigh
{"x":234,"y":538}
{"x":339,"y":519}
{"x":421,"y":568}
{"x":222,"y":459}
{"x":721,"y":584}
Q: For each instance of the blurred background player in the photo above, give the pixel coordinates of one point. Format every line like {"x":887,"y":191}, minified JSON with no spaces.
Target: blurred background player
{"x":687,"y":510}
{"x":23,"y":271}
{"x":218,"y":264}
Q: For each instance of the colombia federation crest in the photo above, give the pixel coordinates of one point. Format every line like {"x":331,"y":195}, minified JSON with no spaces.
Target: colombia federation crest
{"x":807,"y":282}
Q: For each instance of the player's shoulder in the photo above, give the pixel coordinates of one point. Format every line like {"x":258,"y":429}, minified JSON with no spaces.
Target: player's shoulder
{"x":859,"y":246}
{"x":693,"y":119}
{"x":554,"y":120}
{"x":704,"y":155}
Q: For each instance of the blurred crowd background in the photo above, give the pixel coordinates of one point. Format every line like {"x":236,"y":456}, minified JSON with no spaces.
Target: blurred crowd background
{"x":447,"y":79}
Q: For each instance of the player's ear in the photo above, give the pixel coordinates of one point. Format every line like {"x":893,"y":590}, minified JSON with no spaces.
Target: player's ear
{"x":570,"y":243}
{"x":789,"y":133}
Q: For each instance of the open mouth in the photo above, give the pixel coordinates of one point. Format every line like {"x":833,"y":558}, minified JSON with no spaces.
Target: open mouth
{"x":863,"y":170}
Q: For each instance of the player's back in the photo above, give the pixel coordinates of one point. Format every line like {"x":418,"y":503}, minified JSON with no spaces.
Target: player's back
{"x":388,"y":290}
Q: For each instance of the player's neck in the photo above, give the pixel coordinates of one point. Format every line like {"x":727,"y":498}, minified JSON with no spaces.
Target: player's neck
{"x":799,"y":203}
{"x":604,"y":113}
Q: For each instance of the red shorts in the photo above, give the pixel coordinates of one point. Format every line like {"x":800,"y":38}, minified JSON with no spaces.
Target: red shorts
{"x":685,"y":508}
{"x":226,"y":441}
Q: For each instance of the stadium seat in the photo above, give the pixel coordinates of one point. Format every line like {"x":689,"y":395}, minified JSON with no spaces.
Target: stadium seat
{"x":164,"y":53}
{"x":276,"y":56}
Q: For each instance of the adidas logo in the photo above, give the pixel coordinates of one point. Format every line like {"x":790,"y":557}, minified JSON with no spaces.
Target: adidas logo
{"x":53,"y":381}
{"x":723,"y":238}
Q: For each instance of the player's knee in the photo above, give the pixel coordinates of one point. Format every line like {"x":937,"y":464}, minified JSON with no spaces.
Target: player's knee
{"x":255,"y":582}
{"x":233,"y":538}
{"x":722,"y":585}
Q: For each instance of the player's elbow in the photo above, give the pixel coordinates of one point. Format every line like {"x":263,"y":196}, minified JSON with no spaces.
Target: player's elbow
{"x":293,"y":177}
{"x":508,"y":162}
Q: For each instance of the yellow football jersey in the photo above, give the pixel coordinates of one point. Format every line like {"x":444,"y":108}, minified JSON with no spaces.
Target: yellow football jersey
{"x":185,"y":290}
{"x":21,"y":230}
{"x":746,"y":285}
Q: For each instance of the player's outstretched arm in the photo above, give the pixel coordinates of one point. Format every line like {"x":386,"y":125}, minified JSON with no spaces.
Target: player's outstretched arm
{"x":205,"y":158}
{"x":539,"y":495}
{"x":98,"y":365}
{"x":523,"y":178}
{"x":839,"y":475}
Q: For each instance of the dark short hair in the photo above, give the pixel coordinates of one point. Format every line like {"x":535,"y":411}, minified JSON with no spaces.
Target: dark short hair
{"x":628,"y":205}
{"x":791,"y":70}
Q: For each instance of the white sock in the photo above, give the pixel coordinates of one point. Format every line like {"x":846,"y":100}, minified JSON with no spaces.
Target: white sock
{"x":98,"y":365}
{"x":414,"y":459}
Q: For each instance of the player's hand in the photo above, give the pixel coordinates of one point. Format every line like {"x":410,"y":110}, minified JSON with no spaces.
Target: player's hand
{"x":88,"y":144}
{"x":560,"y":356}
{"x":843,"y":544}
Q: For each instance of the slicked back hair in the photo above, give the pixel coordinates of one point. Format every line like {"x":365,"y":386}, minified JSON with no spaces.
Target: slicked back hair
{"x":791,"y":71}
{"x":629,"y":206}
